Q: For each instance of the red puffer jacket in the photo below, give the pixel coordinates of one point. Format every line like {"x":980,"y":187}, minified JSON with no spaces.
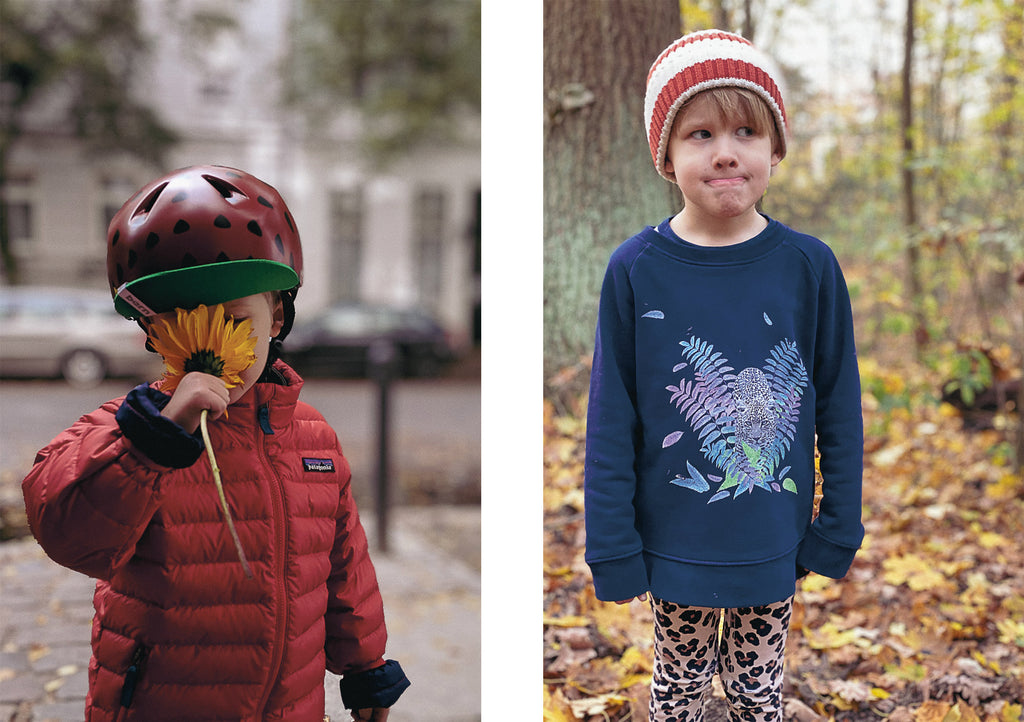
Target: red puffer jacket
{"x":180,"y":633}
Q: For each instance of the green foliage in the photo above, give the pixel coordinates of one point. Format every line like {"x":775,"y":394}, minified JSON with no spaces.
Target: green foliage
{"x":971,"y":374}
{"x":76,"y":60}
{"x":90,"y":50}
{"x":411,"y":68}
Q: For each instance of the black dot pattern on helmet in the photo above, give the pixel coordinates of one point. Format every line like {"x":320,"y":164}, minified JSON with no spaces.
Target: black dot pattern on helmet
{"x":221,"y":257}
{"x":151,"y":240}
{"x":221,"y":222}
{"x":179,"y":197}
{"x":181,"y":226}
{"x":279,"y":243}
{"x":254,"y":228}
{"x":120,"y":274}
{"x":188,"y":260}
{"x":264,"y":202}
{"x":132,"y":258}
{"x":115,"y":238}
{"x":291,"y":225}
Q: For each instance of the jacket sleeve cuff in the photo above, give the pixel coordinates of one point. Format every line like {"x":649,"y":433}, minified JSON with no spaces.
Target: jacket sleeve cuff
{"x":156,"y":436}
{"x":378,"y":687}
{"x":619,"y":579}
{"x":824,"y":556}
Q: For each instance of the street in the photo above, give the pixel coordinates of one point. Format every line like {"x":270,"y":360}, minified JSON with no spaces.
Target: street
{"x":435,"y":430}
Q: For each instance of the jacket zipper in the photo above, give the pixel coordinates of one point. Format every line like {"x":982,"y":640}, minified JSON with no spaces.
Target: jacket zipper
{"x":281,"y":599}
{"x":133,"y":675}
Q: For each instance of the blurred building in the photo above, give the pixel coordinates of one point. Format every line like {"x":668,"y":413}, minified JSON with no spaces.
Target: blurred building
{"x":406,"y":235}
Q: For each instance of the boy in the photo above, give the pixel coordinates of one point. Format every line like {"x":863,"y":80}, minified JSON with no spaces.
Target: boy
{"x":724,"y":345}
{"x":125,"y":495}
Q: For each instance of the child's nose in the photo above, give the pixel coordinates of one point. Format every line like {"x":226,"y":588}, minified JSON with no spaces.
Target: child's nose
{"x":724,"y":154}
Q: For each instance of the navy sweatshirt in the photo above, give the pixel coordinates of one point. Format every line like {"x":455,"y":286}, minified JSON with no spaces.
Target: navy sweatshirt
{"x":714,"y":369}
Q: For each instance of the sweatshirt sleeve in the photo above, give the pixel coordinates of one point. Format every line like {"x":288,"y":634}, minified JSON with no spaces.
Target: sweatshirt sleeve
{"x":837,"y":532}
{"x":91,"y":493}
{"x":614,"y":550}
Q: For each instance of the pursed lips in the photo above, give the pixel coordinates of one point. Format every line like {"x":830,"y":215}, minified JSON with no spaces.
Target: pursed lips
{"x":732,"y":180}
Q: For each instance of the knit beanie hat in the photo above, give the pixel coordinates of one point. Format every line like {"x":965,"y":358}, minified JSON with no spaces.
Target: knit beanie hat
{"x":701,"y":61}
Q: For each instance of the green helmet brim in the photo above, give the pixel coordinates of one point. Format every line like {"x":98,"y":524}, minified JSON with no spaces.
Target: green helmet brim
{"x":210,"y":284}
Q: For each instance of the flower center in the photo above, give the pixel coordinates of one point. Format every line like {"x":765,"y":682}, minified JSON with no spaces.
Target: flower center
{"x":206,"y":361}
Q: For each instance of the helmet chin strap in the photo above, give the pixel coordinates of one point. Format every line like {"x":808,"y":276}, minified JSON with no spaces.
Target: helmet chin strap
{"x":288,"y":308}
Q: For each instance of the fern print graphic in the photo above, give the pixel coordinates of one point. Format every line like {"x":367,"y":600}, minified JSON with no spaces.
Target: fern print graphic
{"x":744,"y":421}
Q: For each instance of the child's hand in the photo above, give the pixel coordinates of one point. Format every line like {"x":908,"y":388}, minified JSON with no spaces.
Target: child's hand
{"x":376,"y":714}
{"x":641,"y":598}
{"x":196,"y":392}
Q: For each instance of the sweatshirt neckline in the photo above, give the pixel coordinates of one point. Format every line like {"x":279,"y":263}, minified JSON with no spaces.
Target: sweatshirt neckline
{"x":767,"y":240}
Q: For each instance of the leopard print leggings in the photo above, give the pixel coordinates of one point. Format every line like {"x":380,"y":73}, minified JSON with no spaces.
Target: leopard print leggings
{"x":749,"y":657}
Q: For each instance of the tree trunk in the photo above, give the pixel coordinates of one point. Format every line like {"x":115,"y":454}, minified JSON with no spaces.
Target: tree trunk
{"x":909,"y":205}
{"x":600,"y":185}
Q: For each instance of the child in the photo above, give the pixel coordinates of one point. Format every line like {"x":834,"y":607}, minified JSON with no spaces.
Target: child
{"x":127,"y":496}
{"x":724,"y":344}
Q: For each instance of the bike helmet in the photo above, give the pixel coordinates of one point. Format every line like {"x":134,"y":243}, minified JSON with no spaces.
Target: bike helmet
{"x":205,"y":234}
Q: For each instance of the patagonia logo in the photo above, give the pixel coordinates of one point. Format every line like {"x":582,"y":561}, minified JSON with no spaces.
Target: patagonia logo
{"x":319,"y":465}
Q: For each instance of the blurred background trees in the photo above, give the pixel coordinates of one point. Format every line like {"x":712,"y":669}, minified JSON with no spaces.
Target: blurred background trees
{"x":69,"y":67}
{"x":918,"y":192}
{"x":412,"y":69}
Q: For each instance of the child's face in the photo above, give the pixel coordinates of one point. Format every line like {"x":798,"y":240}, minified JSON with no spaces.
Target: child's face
{"x":266,"y":313}
{"x":720,"y":163}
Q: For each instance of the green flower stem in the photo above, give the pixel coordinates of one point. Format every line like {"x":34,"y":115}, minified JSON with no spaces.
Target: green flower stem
{"x":220,"y":493}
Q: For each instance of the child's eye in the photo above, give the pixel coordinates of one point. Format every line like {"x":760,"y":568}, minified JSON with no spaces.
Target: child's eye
{"x":700,"y":134}
{"x":747,"y":132}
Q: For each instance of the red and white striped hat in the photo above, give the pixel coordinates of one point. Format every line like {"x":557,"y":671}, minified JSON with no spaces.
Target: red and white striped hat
{"x":700,"y":61}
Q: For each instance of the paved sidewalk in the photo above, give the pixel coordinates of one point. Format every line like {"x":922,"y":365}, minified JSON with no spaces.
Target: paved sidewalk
{"x":431,"y":590}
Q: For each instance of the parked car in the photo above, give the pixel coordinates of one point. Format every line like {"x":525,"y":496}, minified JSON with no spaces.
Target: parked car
{"x":343,"y":340}
{"x":74,"y":333}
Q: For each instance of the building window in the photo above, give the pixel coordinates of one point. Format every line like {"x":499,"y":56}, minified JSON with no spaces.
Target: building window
{"x":346,"y":208}
{"x":19,"y":222}
{"x":429,"y":224}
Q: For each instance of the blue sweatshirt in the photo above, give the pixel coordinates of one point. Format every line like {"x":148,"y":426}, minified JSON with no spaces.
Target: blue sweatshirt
{"x":714,"y":368}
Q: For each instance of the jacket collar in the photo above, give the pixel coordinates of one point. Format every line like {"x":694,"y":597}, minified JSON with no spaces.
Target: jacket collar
{"x":279,"y":398}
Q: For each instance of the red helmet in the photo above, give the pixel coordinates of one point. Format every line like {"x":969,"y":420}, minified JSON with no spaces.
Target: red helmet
{"x":205,"y":234}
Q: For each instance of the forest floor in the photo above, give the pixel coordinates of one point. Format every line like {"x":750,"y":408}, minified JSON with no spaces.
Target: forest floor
{"x":928,"y":625}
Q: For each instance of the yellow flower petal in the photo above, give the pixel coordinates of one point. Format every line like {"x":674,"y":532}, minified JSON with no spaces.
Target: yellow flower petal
{"x":204,"y":340}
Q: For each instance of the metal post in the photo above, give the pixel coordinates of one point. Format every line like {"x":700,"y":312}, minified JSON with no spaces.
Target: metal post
{"x":383,"y":362}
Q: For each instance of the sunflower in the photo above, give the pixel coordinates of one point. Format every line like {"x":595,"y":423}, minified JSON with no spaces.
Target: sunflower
{"x":204,"y":340}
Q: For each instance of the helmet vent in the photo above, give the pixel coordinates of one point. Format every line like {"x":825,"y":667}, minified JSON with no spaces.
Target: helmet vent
{"x":146,"y":206}
{"x":227,"y":190}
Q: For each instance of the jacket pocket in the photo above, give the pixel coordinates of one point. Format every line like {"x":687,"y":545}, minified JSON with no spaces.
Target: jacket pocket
{"x":133,"y":675}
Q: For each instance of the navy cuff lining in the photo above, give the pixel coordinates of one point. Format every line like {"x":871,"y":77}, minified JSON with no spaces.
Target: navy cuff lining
{"x":378,"y":687}
{"x":163,"y":441}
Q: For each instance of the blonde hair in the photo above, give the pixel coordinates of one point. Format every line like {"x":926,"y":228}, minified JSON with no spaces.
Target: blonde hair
{"x":736,"y":102}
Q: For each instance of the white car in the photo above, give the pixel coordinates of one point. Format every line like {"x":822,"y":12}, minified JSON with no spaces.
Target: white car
{"x":75,"y":333}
